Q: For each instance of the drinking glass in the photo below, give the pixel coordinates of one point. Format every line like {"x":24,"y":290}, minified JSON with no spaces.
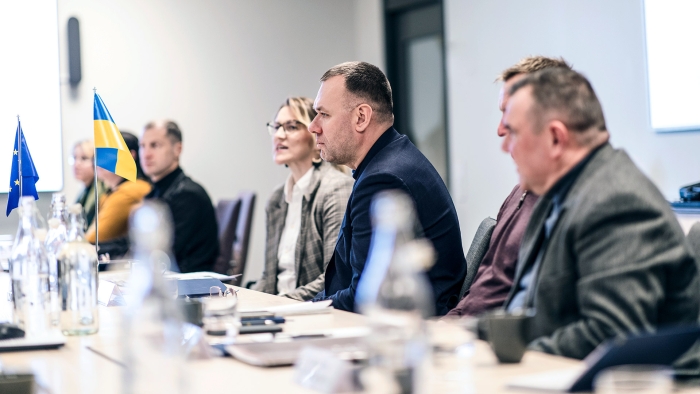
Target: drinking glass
{"x":452,"y":342}
{"x":221,"y":313}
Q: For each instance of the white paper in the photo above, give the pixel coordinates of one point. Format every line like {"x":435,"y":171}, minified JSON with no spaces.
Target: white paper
{"x":302,"y":308}
{"x":558,"y":381}
{"x":198,"y":275}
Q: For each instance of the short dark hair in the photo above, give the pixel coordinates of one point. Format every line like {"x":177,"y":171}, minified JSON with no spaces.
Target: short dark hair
{"x":569,"y":94}
{"x":531,"y":64}
{"x":172,"y":130}
{"x":367,"y":82}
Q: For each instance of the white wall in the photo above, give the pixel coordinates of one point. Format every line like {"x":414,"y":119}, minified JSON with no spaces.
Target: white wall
{"x":219,"y":68}
{"x":603,"y":39}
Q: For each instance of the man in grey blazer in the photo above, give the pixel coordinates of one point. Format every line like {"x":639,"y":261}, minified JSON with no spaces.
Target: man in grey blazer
{"x":603,"y":254}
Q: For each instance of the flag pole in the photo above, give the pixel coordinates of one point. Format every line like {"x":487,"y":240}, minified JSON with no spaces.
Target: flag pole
{"x":19,"y":155}
{"x":97,"y":199}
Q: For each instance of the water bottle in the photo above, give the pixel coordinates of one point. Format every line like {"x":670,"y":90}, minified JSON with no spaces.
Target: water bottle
{"x":77,"y":267}
{"x":57,"y":208}
{"x":152,"y":333}
{"x":398,"y":304}
{"x":393,"y":224}
{"x":56,"y":237}
{"x":29,"y":270}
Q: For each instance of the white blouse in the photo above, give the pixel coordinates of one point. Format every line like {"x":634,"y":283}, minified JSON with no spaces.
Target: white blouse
{"x":286,"y":252}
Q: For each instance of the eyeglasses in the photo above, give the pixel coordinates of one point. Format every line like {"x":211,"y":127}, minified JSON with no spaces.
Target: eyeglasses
{"x":289,"y":127}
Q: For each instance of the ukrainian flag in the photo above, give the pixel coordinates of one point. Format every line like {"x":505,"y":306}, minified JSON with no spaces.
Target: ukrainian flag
{"x":111,"y":151}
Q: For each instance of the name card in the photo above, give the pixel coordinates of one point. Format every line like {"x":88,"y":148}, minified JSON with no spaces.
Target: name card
{"x":321,"y":370}
{"x":109,"y":294}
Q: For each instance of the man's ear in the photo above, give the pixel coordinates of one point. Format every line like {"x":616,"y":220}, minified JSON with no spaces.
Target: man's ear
{"x":559,"y":137}
{"x":363,"y":116}
{"x":178,"y":148}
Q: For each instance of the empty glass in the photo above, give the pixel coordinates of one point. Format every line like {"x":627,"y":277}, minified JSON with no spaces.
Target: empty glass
{"x":220,"y":312}
{"x":639,"y":379}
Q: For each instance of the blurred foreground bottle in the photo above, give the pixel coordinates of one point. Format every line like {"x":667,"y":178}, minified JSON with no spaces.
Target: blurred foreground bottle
{"x":396,"y":295}
{"x":55,"y":238}
{"x":77,"y":267}
{"x":152,"y":331}
{"x":29,"y":270}
{"x":60,"y":200}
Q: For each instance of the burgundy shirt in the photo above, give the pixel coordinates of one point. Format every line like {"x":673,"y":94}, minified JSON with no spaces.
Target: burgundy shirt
{"x":494,"y":278}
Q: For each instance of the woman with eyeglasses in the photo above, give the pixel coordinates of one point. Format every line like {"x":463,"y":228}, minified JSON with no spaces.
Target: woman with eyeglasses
{"x":305,"y":213}
{"x":84,"y":171}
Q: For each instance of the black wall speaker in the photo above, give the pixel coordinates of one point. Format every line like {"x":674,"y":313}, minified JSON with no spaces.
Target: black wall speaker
{"x":74,"y":68}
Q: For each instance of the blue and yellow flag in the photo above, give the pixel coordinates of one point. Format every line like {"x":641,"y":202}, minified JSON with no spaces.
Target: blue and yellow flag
{"x":111,"y":151}
{"x":29,"y":176}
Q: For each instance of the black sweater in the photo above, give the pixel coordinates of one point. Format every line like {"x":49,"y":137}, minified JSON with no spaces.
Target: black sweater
{"x":196,"y":243}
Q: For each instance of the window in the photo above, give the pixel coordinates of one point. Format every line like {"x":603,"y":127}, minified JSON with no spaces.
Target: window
{"x":673,"y":55}
{"x":29,"y":77}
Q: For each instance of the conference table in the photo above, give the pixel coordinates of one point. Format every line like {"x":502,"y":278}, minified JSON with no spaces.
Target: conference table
{"x":75,"y":368}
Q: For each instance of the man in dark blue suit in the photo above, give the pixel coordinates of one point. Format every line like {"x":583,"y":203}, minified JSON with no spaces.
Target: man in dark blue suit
{"x":354,"y":127}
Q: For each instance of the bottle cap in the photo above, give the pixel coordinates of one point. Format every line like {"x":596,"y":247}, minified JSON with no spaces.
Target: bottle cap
{"x":58,"y":197}
{"x":416,"y":255}
{"x":54,"y":223}
{"x":40,"y":234}
{"x":150,"y":227}
{"x":393,"y":208}
{"x":75,"y":209}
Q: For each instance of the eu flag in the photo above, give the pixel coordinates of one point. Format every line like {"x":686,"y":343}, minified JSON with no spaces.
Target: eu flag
{"x":29,"y":175}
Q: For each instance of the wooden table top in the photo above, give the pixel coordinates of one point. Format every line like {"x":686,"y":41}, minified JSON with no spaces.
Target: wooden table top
{"x":76,"y":369}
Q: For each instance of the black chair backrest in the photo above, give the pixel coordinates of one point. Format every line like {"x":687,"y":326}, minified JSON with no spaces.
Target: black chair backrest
{"x":694,"y":240}
{"x":227,"y":217}
{"x":477,"y":250}
{"x":245,"y":222}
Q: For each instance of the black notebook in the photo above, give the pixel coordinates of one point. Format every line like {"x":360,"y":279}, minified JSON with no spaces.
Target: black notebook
{"x":194,"y":288}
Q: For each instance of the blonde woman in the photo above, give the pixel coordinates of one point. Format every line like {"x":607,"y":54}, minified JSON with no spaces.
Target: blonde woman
{"x":305,"y":213}
{"x":84,"y":171}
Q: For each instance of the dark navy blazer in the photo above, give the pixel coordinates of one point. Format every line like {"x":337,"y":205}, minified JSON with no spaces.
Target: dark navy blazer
{"x":395,"y":163}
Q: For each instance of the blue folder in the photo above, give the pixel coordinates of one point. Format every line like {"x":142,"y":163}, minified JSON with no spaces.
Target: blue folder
{"x":195,"y":288}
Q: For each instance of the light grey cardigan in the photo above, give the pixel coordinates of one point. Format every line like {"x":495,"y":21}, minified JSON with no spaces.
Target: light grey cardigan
{"x":322,"y":210}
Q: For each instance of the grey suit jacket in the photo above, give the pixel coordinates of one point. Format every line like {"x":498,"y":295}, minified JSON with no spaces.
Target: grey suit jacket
{"x":616,"y":261}
{"x":322,"y":210}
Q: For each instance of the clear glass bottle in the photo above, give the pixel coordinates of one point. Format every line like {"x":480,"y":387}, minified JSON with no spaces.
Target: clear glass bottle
{"x":29,"y":270}
{"x":393,"y":224}
{"x":152,"y":332}
{"x":77,"y":267}
{"x":403,"y":298}
{"x":57,"y":208}
{"x":56,"y":237}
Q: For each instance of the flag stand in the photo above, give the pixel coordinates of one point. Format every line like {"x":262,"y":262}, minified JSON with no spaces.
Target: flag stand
{"x":97,"y":205}
{"x":97,"y":199}
{"x":19,"y":155}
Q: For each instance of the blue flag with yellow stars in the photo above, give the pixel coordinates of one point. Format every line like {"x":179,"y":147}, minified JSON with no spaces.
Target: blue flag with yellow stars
{"x":29,"y":175}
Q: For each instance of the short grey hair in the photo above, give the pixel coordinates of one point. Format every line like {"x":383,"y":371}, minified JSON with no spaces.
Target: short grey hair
{"x":570,"y":95}
{"x":172,"y":130}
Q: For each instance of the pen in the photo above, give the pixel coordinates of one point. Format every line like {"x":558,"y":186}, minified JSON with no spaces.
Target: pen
{"x":260,"y":322}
